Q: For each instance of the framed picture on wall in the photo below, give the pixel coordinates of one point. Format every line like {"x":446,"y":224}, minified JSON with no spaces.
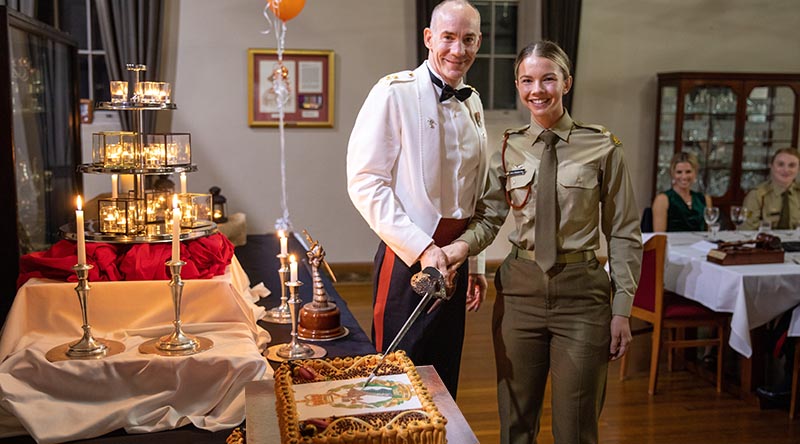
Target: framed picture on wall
{"x":300,"y":86}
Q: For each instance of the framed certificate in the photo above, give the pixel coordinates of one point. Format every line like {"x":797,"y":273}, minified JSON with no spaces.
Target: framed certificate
{"x":301,"y":86}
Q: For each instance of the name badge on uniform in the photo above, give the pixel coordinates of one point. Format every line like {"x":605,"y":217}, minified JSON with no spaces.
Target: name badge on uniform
{"x":518,"y":171}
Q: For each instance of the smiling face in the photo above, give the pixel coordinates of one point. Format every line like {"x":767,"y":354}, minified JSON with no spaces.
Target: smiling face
{"x":783,"y":169}
{"x":453,"y":40}
{"x":683,"y":176}
{"x":541,"y":85}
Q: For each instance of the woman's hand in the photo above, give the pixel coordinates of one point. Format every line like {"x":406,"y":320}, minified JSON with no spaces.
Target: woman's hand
{"x":621,"y":336}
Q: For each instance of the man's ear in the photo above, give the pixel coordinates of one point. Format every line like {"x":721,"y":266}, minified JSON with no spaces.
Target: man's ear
{"x":427,"y":37}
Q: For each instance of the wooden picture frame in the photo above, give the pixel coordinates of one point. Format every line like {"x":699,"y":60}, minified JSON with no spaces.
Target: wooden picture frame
{"x":309,"y":77}
{"x":87,"y":111}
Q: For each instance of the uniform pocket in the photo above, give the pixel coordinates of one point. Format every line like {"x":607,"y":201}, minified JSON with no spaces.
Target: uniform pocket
{"x":575,"y":175}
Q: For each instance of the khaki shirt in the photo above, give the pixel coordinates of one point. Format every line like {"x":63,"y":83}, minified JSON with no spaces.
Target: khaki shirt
{"x":765,"y":201}
{"x":593,"y":186}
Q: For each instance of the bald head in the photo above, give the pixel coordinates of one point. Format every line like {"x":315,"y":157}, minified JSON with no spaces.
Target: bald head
{"x":453,"y":39}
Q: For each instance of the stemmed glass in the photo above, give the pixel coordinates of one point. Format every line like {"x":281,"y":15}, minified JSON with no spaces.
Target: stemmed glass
{"x":711,"y":216}
{"x":738,"y":216}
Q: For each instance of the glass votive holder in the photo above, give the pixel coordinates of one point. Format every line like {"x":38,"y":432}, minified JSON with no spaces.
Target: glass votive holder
{"x":195,"y":209}
{"x":119,"y":91}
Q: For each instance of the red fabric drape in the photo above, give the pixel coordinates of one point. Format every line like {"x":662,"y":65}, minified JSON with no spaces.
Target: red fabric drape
{"x":205,"y":258}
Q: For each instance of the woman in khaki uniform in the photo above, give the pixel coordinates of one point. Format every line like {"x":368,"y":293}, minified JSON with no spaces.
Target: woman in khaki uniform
{"x":778,"y":199}
{"x":554,"y":313}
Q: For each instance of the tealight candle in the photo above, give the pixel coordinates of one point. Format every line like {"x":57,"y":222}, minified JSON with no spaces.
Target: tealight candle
{"x":81,"y":236}
{"x":292,"y":269}
{"x":176,"y":230}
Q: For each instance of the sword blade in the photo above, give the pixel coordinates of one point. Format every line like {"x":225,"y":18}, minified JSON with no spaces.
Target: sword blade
{"x":400,"y":334}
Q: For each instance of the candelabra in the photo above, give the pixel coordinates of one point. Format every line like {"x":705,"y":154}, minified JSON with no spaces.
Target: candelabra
{"x":282,"y":313}
{"x":88,"y":347}
{"x":294,"y":349}
{"x":176,"y":343}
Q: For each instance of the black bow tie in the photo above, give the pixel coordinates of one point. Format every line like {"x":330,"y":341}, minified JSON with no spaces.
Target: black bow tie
{"x":448,"y":91}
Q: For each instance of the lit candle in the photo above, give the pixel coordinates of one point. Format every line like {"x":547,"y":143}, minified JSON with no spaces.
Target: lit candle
{"x":114,"y":185}
{"x":81,"y":238}
{"x":176,"y":230}
{"x":183,"y":183}
{"x":292,"y":269}
{"x":284,"y":243}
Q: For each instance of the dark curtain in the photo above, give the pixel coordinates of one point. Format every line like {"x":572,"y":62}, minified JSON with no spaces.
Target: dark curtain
{"x":424,"y":10}
{"x":131,"y":32}
{"x":561,"y":23}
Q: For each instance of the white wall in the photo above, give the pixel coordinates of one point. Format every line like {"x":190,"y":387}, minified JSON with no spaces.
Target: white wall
{"x":623,"y":44}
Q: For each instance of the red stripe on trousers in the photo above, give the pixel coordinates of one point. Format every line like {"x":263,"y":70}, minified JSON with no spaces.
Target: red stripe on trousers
{"x":384,"y":283}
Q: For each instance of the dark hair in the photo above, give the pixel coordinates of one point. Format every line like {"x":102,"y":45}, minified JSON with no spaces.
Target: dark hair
{"x":549,"y":50}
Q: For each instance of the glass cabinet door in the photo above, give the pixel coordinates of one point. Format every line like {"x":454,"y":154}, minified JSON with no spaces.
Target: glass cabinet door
{"x":768,"y":127}
{"x":666,"y":135}
{"x":709,"y":129}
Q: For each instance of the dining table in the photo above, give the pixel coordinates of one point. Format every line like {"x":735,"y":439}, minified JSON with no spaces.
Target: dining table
{"x":754,"y":294}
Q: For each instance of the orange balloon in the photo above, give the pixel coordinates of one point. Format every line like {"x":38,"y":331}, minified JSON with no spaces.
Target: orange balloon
{"x":286,"y":9}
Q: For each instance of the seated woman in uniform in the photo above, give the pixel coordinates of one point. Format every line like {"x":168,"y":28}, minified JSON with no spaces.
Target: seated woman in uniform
{"x":778,"y":199}
{"x":680,"y":208}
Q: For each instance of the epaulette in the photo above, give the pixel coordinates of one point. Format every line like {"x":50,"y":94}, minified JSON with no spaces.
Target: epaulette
{"x":402,"y":76}
{"x":474,"y":91}
{"x":600,"y":129}
{"x":521,"y":130}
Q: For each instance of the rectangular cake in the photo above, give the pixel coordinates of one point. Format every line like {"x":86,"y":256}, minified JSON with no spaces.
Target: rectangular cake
{"x":323,"y":401}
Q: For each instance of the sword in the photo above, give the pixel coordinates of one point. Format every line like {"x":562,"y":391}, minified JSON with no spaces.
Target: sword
{"x":429,"y":283}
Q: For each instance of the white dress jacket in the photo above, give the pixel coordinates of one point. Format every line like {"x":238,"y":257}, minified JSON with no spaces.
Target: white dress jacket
{"x":394,"y":160}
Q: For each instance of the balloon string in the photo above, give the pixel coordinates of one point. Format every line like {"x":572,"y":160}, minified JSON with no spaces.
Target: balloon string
{"x":284,"y":222}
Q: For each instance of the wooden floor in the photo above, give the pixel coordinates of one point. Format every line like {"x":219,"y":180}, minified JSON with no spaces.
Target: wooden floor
{"x":686,"y":410}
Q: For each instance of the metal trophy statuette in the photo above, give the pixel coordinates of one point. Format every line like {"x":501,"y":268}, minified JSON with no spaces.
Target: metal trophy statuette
{"x":176,"y":343}
{"x":320,"y":320}
{"x":88,"y":347}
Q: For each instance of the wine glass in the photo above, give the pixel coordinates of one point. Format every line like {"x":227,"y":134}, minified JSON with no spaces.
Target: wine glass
{"x":738,"y":216}
{"x":711,"y":216}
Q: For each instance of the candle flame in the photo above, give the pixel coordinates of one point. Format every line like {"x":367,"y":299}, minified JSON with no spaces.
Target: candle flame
{"x":175,"y":201}
{"x":281,"y":234}
{"x":79,"y":202}
{"x":292,"y":258}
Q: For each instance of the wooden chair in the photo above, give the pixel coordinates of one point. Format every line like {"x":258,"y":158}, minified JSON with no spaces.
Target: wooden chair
{"x":671,"y":312}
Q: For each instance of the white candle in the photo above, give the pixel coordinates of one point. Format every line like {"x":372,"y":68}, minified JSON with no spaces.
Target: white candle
{"x":183,"y":183}
{"x":81,"y":238}
{"x":292,"y":269}
{"x":114,"y":185}
{"x":176,"y":230}
{"x":284,"y":243}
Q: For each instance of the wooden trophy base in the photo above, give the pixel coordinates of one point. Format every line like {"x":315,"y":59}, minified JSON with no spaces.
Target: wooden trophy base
{"x":745,"y":256}
{"x":320,"y":324}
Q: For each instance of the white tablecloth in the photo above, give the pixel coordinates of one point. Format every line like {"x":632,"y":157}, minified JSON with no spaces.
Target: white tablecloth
{"x":79,"y":399}
{"x":754,"y":294}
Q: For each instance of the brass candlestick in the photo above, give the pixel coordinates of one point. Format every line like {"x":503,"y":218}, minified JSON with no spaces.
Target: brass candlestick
{"x":176,"y":343}
{"x":281,"y":314}
{"x":294,"y":349}
{"x":88,"y":347}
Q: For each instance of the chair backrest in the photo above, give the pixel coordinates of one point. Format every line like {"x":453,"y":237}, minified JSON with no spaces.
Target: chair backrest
{"x":646,"y":224}
{"x":648,"y":300}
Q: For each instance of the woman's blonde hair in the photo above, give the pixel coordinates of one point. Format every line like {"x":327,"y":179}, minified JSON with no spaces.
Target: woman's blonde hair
{"x":684,"y":157}
{"x":548,"y":50}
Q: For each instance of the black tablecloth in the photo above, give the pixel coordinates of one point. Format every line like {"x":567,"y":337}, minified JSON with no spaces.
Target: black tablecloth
{"x":259,"y":259}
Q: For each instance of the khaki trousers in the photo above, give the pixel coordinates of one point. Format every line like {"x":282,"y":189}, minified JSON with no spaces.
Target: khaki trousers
{"x":556,"y":324}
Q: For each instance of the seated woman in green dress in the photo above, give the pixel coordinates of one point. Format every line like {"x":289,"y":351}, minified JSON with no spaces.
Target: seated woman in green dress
{"x":680,"y":208}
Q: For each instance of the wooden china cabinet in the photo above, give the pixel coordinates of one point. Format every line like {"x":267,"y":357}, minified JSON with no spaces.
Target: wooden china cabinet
{"x":733,"y":122}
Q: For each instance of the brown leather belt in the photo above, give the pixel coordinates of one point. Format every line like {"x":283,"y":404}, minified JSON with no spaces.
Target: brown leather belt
{"x":566,"y":258}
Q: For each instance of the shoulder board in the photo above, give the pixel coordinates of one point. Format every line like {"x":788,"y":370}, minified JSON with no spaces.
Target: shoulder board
{"x":521,"y":130}
{"x":402,"y":76}
{"x":600,"y":129}
{"x":474,"y":91}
